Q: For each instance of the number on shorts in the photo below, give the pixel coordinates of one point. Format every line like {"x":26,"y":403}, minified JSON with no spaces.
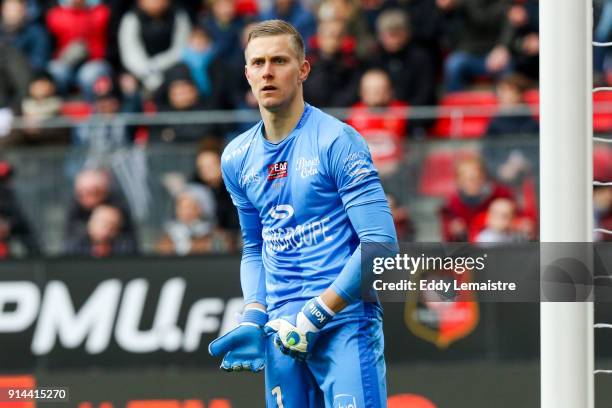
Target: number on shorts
{"x":276,"y":391}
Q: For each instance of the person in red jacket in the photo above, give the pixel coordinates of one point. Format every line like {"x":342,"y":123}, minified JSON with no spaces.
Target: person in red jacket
{"x":79,"y":28}
{"x":475,"y":192}
{"x":381,"y":119}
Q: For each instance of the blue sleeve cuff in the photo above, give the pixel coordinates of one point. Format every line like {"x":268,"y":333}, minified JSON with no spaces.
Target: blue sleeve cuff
{"x":255,"y":316}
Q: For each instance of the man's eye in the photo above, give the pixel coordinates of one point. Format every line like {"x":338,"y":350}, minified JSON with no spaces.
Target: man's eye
{"x":279,"y":60}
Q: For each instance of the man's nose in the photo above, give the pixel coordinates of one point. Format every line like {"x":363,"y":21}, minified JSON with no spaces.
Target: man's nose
{"x":267,"y":71}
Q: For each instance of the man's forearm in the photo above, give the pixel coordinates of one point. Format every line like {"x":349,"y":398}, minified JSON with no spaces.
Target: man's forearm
{"x":255,"y":305}
{"x":332,"y":300}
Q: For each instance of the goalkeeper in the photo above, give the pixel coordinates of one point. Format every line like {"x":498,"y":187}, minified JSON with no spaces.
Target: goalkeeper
{"x":308,"y":197}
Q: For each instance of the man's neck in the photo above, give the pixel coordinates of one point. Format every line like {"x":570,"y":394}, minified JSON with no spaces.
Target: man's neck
{"x":278,"y":125}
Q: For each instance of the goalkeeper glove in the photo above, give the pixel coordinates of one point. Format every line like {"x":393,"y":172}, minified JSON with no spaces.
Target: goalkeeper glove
{"x":243,"y":347}
{"x":297,"y":340}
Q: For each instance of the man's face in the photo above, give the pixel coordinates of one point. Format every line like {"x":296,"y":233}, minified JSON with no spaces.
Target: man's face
{"x":224,"y":10}
{"x":182,"y":94}
{"x":209,"y":168}
{"x":508,"y":95}
{"x":501,"y":214}
{"x":330,"y":35}
{"x":13,"y":13}
{"x":393,"y":40}
{"x":187,"y":209}
{"x":274,"y":71}
{"x":104,"y":224}
{"x":91,"y":190}
{"x":376,"y":89}
{"x":154,"y":8}
{"x":470,"y":178}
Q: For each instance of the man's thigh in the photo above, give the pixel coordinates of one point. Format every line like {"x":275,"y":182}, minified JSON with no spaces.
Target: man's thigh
{"x":289,"y":383}
{"x":349,"y":367}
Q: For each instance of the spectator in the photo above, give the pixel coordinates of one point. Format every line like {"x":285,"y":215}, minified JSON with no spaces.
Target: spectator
{"x":79,"y":28}
{"x":225,"y":28}
{"x":511,"y":163}
{"x":500,"y":224}
{"x":479,"y":50}
{"x":14,"y":228}
{"x":404,"y":226}
{"x":243,"y":97}
{"x":521,"y":37}
{"x":603,"y":33}
{"x":426,"y":26}
{"x":475,"y":192}
{"x":183,"y":96}
{"x":602,"y":203}
{"x":97,"y":139}
{"x":151,"y":38}
{"x":92,"y":189}
{"x":15,"y":76}
{"x":208,"y":173}
{"x":198,"y":55}
{"x":41,"y":105}
{"x":510,"y":91}
{"x":412,"y":72}
{"x":29,"y":38}
{"x":295,"y":13}
{"x":381,"y":120}
{"x":334,"y":76}
{"x":349,"y":12}
{"x":104,"y":236}
{"x":193,"y":231}
{"x":209,"y":72}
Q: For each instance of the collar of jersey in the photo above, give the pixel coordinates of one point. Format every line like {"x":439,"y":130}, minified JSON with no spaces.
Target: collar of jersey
{"x":291,"y":135}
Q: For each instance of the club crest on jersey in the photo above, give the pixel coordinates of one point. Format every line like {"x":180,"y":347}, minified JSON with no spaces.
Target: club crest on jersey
{"x":281,"y":211}
{"x":277,"y":170}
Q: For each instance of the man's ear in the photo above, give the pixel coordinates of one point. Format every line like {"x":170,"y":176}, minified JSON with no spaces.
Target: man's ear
{"x":304,"y":71}
{"x":246,"y":74}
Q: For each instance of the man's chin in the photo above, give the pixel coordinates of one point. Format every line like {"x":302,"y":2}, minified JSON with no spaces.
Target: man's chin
{"x":272,"y":105}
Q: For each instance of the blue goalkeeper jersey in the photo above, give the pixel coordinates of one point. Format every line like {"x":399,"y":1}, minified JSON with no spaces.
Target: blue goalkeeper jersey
{"x":294,"y":199}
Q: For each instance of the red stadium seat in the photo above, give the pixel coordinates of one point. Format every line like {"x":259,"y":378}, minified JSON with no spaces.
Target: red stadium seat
{"x":463,"y":122}
{"x":602,"y":121}
{"x":532,"y":98}
{"x":602,"y":163}
{"x":438,"y":172}
{"x":76,"y":110}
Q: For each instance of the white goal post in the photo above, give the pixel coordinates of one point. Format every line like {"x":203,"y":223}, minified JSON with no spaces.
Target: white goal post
{"x":566,"y":174}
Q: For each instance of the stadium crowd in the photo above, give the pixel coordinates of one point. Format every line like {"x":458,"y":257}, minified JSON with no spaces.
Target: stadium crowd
{"x":378,"y":58}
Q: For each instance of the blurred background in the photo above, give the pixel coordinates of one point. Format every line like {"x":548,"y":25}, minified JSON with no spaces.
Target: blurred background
{"x":119,"y":246}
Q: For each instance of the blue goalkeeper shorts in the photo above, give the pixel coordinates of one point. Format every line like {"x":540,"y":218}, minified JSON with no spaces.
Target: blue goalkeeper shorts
{"x":345,"y":370}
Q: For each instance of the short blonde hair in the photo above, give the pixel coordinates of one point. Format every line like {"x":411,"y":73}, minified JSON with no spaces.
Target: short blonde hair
{"x":270,"y":28}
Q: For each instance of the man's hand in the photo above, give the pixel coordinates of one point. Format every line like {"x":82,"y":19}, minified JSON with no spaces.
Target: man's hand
{"x":243,"y":348}
{"x":297,"y":339}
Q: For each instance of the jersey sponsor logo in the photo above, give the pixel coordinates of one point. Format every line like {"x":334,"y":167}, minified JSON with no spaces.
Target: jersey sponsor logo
{"x":250,"y":176}
{"x":345,"y":401}
{"x":239,"y":150}
{"x":284,"y":239}
{"x":307,"y":167}
{"x":281,"y":211}
{"x":277,"y":170}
